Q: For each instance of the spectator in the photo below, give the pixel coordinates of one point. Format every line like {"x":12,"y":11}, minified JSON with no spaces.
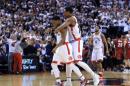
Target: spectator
{"x":30,"y":49}
{"x":17,"y":57}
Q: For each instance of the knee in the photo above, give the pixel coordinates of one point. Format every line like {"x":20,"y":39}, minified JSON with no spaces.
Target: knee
{"x":77,"y":61}
{"x":54,"y":66}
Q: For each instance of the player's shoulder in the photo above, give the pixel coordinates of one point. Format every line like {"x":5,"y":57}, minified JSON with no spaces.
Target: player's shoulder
{"x":102,"y":34}
{"x":72,"y":18}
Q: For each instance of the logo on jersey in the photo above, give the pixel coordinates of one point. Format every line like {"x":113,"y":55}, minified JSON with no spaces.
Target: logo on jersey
{"x":96,"y":40}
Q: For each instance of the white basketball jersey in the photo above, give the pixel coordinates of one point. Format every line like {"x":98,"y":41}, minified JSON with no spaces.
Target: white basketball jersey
{"x":97,"y":41}
{"x":58,"y":37}
{"x":74,"y":31}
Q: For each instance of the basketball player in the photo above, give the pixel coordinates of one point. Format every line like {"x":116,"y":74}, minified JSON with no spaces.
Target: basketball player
{"x":118,"y":42}
{"x":127,"y":53}
{"x":98,"y":41}
{"x":71,"y":24}
{"x":63,"y":54}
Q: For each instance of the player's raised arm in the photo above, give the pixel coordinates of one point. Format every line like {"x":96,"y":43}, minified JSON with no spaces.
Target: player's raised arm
{"x":68,"y":22}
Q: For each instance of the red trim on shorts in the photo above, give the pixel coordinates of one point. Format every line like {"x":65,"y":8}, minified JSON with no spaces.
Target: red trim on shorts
{"x":69,"y":62}
{"x":66,"y":43}
{"x":54,"y":62}
{"x":79,"y":46}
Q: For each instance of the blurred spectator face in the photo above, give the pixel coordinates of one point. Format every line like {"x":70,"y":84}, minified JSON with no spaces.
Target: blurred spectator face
{"x":31,"y":41}
{"x":66,"y":13}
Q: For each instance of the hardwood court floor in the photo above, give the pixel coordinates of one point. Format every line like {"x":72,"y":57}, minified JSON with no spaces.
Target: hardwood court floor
{"x":45,"y":79}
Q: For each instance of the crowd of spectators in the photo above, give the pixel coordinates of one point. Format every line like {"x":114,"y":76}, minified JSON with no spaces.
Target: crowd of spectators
{"x":27,"y":20}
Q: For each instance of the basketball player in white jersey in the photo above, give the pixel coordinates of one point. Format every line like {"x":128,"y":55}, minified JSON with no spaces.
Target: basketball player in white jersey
{"x":63,"y":54}
{"x":77,"y":44}
{"x":98,"y":41}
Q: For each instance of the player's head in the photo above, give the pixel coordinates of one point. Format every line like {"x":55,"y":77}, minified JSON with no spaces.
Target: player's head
{"x":68,"y":11}
{"x":56,"y":21}
{"x":97,"y":29}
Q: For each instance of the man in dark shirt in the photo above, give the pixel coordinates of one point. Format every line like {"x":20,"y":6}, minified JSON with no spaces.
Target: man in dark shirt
{"x":30,"y":49}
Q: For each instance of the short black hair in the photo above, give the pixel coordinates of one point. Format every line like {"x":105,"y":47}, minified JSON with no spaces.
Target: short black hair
{"x":56,"y":18}
{"x":69,"y":9}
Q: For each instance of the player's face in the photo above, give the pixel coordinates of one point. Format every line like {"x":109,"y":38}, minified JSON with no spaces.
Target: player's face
{"x":55,"y":23}
{"x":65,"y":13}
{"x":97,"y":30}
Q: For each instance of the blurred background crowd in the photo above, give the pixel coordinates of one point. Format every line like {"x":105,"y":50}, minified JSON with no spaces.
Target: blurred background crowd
{"x":23,"y":24}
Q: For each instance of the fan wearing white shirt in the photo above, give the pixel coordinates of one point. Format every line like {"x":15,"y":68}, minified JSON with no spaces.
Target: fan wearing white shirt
{"x":11,"y":42}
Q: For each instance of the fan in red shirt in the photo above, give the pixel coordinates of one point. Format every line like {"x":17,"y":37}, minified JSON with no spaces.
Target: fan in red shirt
{"x":119,"y":51}
{"x":127,"y":55}
{"x":118,"y":48}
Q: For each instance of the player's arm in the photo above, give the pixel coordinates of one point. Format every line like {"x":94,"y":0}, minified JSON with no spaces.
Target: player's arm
{"x":114,"y":45}
{"x":70,"y":21}
{"x":48,"y":30}
{"x":63,"y":35}
{"x":105,"y":43}
{"x":90,"y":41}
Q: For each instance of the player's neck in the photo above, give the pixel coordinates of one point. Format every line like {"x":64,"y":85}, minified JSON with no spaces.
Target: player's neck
{"x":97,"y":33}
{"x":70,"y":15}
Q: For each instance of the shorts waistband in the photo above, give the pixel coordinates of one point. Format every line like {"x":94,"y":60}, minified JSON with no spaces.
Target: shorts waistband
{"x":78,"y":39}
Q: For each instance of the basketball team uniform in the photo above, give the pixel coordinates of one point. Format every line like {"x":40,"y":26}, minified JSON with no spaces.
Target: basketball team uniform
{"x":75,"y":40}
{"x":97,"y":53}
{"x":127,"y":47}
{"x":63,"y":54}
{"x":119,"y":49}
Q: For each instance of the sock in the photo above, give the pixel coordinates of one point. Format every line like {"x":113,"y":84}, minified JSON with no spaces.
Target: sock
{"x":86,"y":67}
{"x":56,"y":72}
{"x":99,"y":67}
{"x":82,"y":78}
{"x":68,"y":72}
{"x":77,"y":72}
{"x":69,"y":79}
{"x":58,"y":80}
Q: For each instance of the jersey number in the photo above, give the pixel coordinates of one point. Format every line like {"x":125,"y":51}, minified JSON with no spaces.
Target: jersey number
{"x":119,"y":44}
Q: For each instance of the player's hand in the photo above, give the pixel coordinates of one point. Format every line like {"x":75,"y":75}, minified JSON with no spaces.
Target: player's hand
{"x":107,"y":53}
{"x":56,"y":31}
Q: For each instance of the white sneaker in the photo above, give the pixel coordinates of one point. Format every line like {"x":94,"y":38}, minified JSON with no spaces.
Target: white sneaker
{"x":96,"y":80}
{"x":68,"y":83}
{"x":126,"y":71}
